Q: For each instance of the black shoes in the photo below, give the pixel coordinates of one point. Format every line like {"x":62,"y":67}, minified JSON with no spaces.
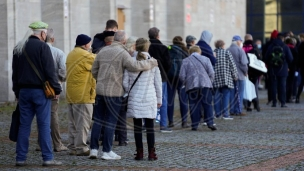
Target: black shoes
{"x":185,"y":125}
{"x":297,"y":100}
{"x":124,"y":143}
{"x":273,"y":105}
{"x":249,"y":109}
{"x":283,"y":106}
{"x":171,"y":124}
{"x":213,"y":128}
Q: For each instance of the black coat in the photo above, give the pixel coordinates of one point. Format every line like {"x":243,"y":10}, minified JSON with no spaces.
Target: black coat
{"x":248,"y":44}
{"x":301,"y":57}
{"x":161,"y":53}
{"x":98,"y":42}
{"x":23,"y":74}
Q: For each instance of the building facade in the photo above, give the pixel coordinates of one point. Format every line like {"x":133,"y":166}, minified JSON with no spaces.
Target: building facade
{"x":68,"y":18}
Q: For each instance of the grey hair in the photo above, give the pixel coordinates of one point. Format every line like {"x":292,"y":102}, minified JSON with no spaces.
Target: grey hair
{"x":50,"y":34}
{"x":130,"y":43}
{"x":234,"y":42}
{"x":120,"y":36}
{"x":19,"y":47}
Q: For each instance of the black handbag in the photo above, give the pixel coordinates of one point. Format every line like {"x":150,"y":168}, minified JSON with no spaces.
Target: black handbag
{"x":125,"y":99}
{"x":14,"y":129}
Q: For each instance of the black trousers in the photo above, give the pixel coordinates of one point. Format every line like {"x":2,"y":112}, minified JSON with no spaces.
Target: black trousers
{"x":300,"y":89}
{"x":149,"y":131}
{"x":121,"y":126}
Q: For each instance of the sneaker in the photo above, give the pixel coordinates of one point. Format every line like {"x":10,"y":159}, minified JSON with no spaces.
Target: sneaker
{"x":124,"y":143}
{"x":51,"y":163}
{"x":93,"y":154}
{"x":228,"y":118}
{"x":72,"y":153}
{"x":38,"y":149}
{"x":205,"y":124}
{"x":165,"y":130}
{"x":62,"y":148}
{"x":185,"y":125}
{"x":110,"y":156}
{"x":86,"y":153}
{"x":21,"y":163}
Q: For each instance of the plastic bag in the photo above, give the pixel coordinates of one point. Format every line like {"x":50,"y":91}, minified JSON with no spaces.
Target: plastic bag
{"x":249,"y":90}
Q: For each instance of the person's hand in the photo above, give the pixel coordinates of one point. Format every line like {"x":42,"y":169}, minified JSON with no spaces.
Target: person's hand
{"x":57,"y":96}
{"x":154,"y":61}
{"x":159,"y":105}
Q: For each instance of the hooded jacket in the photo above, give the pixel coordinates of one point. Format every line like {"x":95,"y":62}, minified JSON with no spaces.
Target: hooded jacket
{"x":98,"y":42}
{"x":203,"y":43}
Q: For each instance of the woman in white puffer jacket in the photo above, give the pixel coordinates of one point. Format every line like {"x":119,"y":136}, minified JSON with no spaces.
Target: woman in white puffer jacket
{"x":144,"y":99}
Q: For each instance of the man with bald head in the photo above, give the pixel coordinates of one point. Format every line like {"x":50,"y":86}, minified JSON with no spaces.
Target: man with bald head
{"x":108,"y":69}
{"x":250,"y":47}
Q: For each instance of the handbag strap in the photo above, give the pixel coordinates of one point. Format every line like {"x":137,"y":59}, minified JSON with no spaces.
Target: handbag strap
{"x":198,"y":60}
{"x":135,"y":81}
{"x":32,"y":65}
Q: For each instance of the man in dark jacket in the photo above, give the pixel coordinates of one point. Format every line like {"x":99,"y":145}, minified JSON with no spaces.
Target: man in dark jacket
{"x":98,"y":41}
{"x":253,"y":74}
{"x":278,"y":72}
{"x":160,"y":52}
{"x":28,"y":89}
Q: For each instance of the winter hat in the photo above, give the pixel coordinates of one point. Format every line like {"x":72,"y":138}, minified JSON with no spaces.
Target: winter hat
{"x":236,"y":38}
{"x":82,"y":39}
{"x":38,"y":25}
{"x":274,"y":34}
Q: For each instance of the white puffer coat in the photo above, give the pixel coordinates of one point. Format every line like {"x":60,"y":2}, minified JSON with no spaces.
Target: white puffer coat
{"x":145,"y":94}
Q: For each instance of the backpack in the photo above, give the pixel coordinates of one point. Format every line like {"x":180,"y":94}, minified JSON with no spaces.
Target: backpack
{"x":277,"y":56}
{"x":176,"y":56}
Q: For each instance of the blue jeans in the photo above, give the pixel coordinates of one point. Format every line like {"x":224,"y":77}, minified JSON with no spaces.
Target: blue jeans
{"x":278,"y":86}
{"x":221,"y":101}
{"x":183,"y":101}
{"x":198,"y":98}
{"x":163,"y":109}
{"x":106,"y":112}
{"x":33,"y":102}
{"x":236,"y":97}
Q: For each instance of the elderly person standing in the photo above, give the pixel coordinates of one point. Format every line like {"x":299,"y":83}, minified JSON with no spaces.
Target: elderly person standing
{"x":108,"y":70}
{"x":190,"y":41}
{"x":241,"y":62}
{"x":80,"y":95}
{"x":204,"y":44}
{"x":197,"y":75}
{"x":33,"y":57}
{"x":225,"y":74}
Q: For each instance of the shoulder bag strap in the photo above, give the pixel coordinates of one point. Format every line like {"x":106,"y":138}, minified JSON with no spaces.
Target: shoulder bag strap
{"x":135,"y":81}
{"x":32,"y":65}
{"x":199,"y":60}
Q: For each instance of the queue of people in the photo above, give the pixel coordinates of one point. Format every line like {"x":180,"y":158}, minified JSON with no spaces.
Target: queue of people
{"x":122,"y":77}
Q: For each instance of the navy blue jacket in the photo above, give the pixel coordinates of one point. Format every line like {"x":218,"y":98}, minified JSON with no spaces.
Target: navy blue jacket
{"x":283,"y":70}
{"x":207,"y":51}
{"x":25,"y":77}
{"x":98,"y":42}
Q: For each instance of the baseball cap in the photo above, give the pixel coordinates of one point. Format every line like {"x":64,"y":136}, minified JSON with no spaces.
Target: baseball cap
{"x":236,"y":38}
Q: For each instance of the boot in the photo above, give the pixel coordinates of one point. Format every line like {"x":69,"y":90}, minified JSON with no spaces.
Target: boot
{"x":152,"y":155}
{"x":139,"y":154}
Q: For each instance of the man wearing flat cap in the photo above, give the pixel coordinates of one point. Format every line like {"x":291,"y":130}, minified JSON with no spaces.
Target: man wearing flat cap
{"x":33,"y":57}
{"x":80,"y":94}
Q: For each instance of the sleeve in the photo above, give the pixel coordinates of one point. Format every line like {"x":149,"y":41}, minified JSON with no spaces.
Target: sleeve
{"x":167,"y":60}
{"x":210,"y":71}
{"x":135,"y":66}
{"x":243,"y":61}
{"x":15,"y":75}
{"x":62,"y":67}
{"x":95,"y":67}
{"x":89,"y":61}
{"x":49,"y":68}
{"x":96,"y":45}
{"x":289,"y":57}
{"x":232,"y":65}
{"x":183,"y":73}
{"x":125,"y":81}
{"x":158,"y":85}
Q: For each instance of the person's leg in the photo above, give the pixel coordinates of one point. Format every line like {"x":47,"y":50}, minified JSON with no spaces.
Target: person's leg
{"x":43,"y":116}
{"x":255,"y":81}
{"x":269,"y":88}
{"x":83,"y":118}
{"x":98,"y":121}
{"x":225,"y":101}
{"x":282,"y":89}
{"x":218,"y":102}
{"x":113,"y":106}
{"x":300,"y":88}
{"x":274,"y":87}
{"x":55,"y":130}
{"x":138,"y":132}
{"x":241,"y":84}
{"x":206,"y":102}
{"x":150,"y":133}
{"x":195,"y":107}
{"x":71,"y":129}
{"x":121,"y":127}
{"x":164,"y":108}
{"x":183,"y":102}
{"x":27,"y":113}
{"x":171,"y":90}
{"x":233,"y":100}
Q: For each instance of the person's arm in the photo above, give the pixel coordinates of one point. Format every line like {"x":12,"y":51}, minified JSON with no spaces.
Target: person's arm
{"x":15,"y":75}
{"x":95,"y":67}
{"x":183,"y":73}
{"x":97,"y":44}
{"x":210,"y":70}
{"x":61,"y":66}
{"x":134,"y":66}
{"x":158,"y":85}
{"x":47,"y":62}
{"x":126,"y":80}
{"x":232,"y":66}
{"x":289,"y":56}
{"x":243,"y":62}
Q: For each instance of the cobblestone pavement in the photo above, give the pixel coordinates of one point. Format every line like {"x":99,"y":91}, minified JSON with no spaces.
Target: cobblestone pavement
{"x":272,"y":139}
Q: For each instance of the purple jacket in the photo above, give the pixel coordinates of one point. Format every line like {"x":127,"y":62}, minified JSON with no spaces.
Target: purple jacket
{"x":196,"y":72}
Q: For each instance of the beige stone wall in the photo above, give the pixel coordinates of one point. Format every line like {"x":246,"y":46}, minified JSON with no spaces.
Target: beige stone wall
{"x":68,"y":18}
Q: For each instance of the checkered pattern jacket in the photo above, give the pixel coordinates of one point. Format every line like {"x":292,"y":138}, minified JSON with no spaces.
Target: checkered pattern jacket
{"x":225,"y":69}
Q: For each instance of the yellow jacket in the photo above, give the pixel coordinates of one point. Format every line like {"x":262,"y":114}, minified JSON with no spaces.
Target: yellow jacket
{"x":80,"y":84}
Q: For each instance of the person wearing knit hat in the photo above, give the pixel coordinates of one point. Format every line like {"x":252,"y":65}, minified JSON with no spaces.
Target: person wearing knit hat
{"x":80,"y":94}
{"x":274,"y":34}
{"x":32,"y":57}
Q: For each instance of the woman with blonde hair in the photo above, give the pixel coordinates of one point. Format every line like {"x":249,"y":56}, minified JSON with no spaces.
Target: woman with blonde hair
{"x":144,"y":97}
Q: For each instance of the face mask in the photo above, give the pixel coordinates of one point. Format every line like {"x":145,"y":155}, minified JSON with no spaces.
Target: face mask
{"x":259,"y":46}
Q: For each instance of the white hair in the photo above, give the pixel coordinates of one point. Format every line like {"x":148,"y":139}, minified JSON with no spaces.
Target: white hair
{"x":120,"y":36}
{"x":130,"y":42}
{"x":19,"y":47}
{"x":234,"y":42}
{"x":50,"y":34}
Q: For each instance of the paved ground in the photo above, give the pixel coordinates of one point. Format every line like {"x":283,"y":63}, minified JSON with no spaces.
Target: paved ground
{"x":270,"y":140}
